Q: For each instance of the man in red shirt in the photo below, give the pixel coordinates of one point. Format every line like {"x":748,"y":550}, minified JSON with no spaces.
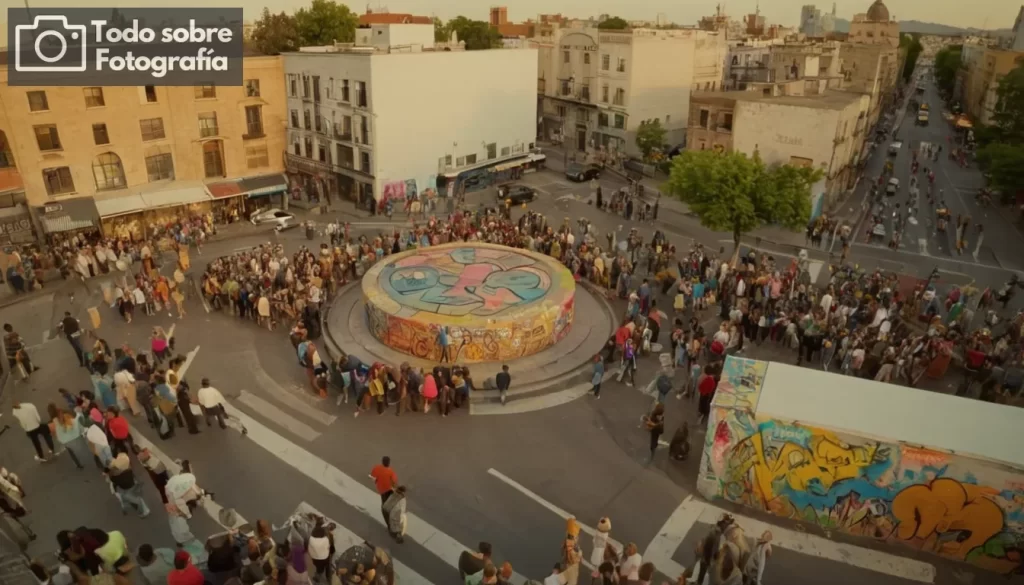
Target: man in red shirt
{"x":385,"y":479}
{"x":706,"y":386}
{"x":119,"y":431}
{"x":184,"y":572}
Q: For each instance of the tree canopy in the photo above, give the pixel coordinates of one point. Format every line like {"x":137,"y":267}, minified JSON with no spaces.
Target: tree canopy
{"x":1008,"y":115}
{"x":613,"y":23}
{"x":275,"y":33}
{"x":731,"y":192}
{"x":1004,"y":164}
{"x":912,"y":44}
{"x":477,"y":34}
{"x":947,"y":62}
{"x":441,"y":31}
{"x":324,"y":22}
{"x":1002,"y":155}
{"x":650,"y":136}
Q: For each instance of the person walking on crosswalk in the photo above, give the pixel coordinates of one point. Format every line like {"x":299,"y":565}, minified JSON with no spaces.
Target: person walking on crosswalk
{"x":212,"y":402}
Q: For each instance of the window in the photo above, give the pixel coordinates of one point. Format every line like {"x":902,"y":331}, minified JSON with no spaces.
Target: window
{"x":492,"y":151}
{"x":208,"y":124}
{"x":604,"y":93}
{"x":93,"y":97}
{"x":346,"y":156}
{"x":152,"y":129}
{"x":364,"y":130}
{"x":6,"y":156}
{"x":602,"y":120}
{"x":307,"y":120}
{"x":346,"y":127}
{"x":620,"y":121}
{"x":99,"y":134}
{"x":213,"y":160}
{"x":316,"y":88}
{"x":257,"y":156}
{"x":361,"y":94}
{"x":323,"y":153}
{"x":460,"y":162}
{"x":307,"y":144}
{"x":159,"y":163}
{"x":470,"y":159}
{"x":585,"y":93}
{"x":330,"y":87}
{"x":566,"y":57}
{"x":704,"y":114}
{"x":505,"y":151}
{"x":606,"y":61}
{"x":150,"y":94}
{"x":344,"y":90}
{"x":293,"y":86}
{"x":295,"y":118}
{"x":58,"y":181}
{"x":252,"y":88}
{"x":541,"y":86}
{"x":621,"y":67}
{"x":297,"y":148}
{"x":620,"y":97}
{"x":47,"y":137}
{"x":108,"y":172}
{"x":726,"y":123}
{"x":364,"y":163}
{"x":37,"y":101}
{"x":561,"y":111}
{"x":305,"y":86}
{"x":205,"y":92}
{"x":565,"y":87}
{"x":253,"y":121}
{"x":586,"y":58}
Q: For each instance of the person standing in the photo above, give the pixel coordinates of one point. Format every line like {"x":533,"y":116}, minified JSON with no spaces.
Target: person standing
{"x":185,"y":407}
{"x":212,"y":402}
{"x":503,"y":380}
{"x":124,"y":385}
{"x":72,"y":331}
{"x":119,"y":431}
{"x":67,"y":426}
{"x":394,"y":513}
{"x":753,"y":571}
{"x":442,"y":342}
{"x":17,"y":357}
{"x":28,"y":416}
{"x":385,"y":479}
{"x":128,"y":489}
{"x":598,"y":375}
{"x":655,"y":424}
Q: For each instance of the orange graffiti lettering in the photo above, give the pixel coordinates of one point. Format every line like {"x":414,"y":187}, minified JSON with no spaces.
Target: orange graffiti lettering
{"x":946,"y":516}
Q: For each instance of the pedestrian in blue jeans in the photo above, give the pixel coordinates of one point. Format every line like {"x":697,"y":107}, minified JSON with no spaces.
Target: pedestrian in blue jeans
{"x":597,"y":376}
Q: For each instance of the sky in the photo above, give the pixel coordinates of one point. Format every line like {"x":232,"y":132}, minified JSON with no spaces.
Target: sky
{"x":977,"y":13}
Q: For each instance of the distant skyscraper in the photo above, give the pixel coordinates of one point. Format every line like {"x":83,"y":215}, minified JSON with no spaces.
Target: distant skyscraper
{"x":810,"y":20}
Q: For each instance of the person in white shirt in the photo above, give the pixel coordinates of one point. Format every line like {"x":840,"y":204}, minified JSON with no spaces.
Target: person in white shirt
{"x":212,"y":403}
{"x":28,"y":416}
{"x":124,"y":384}
{"x":629,"y":568}
{"x":556,"y":577}
{"x":100,"y":445}
{"x":754,"y":569}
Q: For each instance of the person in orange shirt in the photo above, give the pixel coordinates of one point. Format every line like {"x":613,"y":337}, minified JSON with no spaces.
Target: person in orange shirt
{"x":162,"y":293}
{"x":385,"y":479}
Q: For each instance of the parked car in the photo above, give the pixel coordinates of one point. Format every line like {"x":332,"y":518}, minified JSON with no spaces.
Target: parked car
{"x":893,"y":187}
{"x":272,"y":215}
{"x":519,"y":194}
{"x":580,"y":172}
{"x":894,"y":148}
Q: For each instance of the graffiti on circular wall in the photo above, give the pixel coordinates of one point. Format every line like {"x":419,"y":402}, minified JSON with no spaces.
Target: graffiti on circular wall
{"x":496,"y":302}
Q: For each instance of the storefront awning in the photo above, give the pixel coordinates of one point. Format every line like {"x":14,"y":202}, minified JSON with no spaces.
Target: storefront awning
{"x":964,"y":123}
{"x":116,"y":206}
{"x":224,"y":190}
{"x":68,"y":215}
{"x":174,"y":197}
{"x":263,"y":185}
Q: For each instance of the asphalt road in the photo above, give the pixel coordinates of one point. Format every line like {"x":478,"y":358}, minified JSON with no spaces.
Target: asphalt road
{"x":505,"y":479}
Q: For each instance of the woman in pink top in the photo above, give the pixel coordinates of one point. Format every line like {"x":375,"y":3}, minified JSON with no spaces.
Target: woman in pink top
{"x":158,"y":343}
{"x":429,"y":392}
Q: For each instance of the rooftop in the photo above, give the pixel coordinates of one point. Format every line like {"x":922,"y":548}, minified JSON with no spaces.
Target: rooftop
{"x":830,"y":100}
{"x":392,"y":18}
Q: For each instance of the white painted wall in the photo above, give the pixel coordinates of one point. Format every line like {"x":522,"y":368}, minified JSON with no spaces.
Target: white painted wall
{"x":661,"y":80}
{"x":428,"y":105}
{"x":383,"y":36}
{"x":793,"y":131}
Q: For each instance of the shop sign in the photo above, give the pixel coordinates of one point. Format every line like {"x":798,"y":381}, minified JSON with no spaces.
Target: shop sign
{"x":13,"y":227}
{"x":298,"y":164}
{"x":53,"y":208}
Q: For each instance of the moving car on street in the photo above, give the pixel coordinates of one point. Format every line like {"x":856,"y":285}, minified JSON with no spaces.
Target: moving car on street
{"x":894,"y":148}
{"x":893,"y":187}
{"x":280,"y":219}
{"x":580,"y":172}
{"x":518,"y":194}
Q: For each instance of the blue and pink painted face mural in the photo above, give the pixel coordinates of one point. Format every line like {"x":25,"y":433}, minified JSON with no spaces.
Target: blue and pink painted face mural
{"x":956,"y":506}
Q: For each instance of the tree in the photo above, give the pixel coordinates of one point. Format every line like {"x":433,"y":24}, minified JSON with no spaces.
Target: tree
{"x":442,"y":32}
{"x":275,"y":33}
{"x":1004,"y":164}
{"x":734,"y":193}
{"x":650,"y":136}
{"x":325,"y":22}
{"x":947,"y":63}
{"x":912,"y":44}
{"x":613,"y":23}
{"x":477,"y":34}
{"x":1008,"y":115}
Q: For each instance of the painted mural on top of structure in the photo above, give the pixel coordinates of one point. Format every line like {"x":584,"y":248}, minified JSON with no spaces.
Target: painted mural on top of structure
{"x":957,"y":506}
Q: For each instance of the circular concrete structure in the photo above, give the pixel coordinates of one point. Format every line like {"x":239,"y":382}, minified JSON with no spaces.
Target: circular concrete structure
{"x":499,"y":303}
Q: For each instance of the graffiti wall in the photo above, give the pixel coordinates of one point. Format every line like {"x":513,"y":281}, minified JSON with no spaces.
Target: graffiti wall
{"x":497,"y":303}
{"x":956,"y":506}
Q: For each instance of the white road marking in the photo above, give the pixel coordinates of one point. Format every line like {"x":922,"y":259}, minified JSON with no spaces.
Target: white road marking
{"x":302,"y":408}
{"x":345,"y":538}
{"x":532,"y":403}
{"x":278,"y":417}
{"x":46,"y":336}
{"x":692,"y":511}
{"x":350,"y":491}
{"x":170,"y":330}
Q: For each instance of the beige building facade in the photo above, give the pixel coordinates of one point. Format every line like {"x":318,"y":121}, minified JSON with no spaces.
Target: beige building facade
{"x":131,"y":150}
{"x":983,"y":68}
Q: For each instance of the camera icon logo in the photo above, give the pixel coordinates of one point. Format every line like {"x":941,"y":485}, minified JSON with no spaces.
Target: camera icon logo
{"x":39,"y":39}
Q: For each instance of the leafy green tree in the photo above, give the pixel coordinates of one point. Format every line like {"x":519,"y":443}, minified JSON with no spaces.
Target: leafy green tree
{"x":912,"y":44}
{"x":947,"y":62}
{"x":1008,"y":115}
{"x":275,"y":33}
{"x":613,"y":23}
{"x":650,"y":136}
{"x":325,"y":22}
{"x":734,"y":193}
{"x":442,"y":32}
{"x":1004,"y":164}
{"x":477,"y":34}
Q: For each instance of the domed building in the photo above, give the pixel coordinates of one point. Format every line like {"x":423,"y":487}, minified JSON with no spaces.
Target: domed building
{"x":875,"y":27}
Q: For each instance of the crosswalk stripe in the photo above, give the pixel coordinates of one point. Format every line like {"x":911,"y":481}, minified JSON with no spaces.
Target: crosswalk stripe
{"x":276,"y":415}
{"x":295,"y":398}
{"x":345,"y":538}
{"x":350,"y":491}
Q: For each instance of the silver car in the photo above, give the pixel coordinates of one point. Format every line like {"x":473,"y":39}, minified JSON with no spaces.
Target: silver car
{"x":274,"y":216}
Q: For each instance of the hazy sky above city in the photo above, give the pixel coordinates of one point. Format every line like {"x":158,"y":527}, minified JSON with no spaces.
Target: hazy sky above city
{"x":977,"y":13}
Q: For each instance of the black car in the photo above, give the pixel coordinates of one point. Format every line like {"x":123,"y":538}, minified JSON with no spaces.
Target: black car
{"x":581,"y":172}
{"x":517,"y":193}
